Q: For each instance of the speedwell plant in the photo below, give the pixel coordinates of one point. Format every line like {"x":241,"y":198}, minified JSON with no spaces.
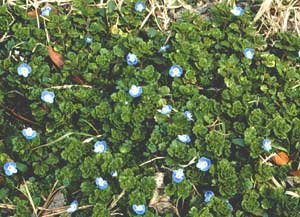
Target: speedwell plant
{"x":207,"y":105}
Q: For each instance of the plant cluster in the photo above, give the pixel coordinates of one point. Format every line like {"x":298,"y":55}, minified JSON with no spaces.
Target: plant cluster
{"x":207,"y":104}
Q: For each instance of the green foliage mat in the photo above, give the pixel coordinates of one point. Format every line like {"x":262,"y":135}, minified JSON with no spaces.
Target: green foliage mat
{"x":235,"y":102}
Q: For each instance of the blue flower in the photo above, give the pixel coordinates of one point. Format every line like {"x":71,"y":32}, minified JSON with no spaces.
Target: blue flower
{"x":88,"y":39}
{"x":237,"y":11}
{"x":46,"y":11}
{"x":229,"y":205}
{"x":248,"y":53}
{"x":10,"y":168}
{"x":266,"y":144}
{"x":29,"y":133}
{"x":164,"y":48}
{"x":139,"y":6}
{"x":208,"y":195}
{"x":131,"y":59}
{"x":135,"y":91}
{"x":178,"y":175}
{"x":73,"y":207}
{"x":203,"y":164}
{"x":184,"y":138}
{"x":114,"y":173}
{"x":101,"y":183}
{"x":166,"y":109}
{"x":48,"y":96}
{"x":188,"y":115}
{"x":100,"y":146}
{"x":139,"y":209}
{"x":175,"y":71}
{"x":24,"y":70}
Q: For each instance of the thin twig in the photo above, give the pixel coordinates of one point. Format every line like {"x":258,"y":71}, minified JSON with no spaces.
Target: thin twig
{"x":147,"y":17}
{"x":189,"y":163}
{"x":151,"y":160}
{"x":115,"y":201}
{"x":29,"y":197}
{"x":7,"y":206}
{"x":61,"y":138}
{"x":19,"y":116}
{"x":67,"y":86}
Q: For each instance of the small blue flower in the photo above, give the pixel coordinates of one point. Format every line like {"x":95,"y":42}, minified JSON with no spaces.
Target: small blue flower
{"x":24,"y":70}
{"x":73,"y":207}
{"x":166,"y":109}
{"x":203,"y":164}
{"x":114,"y":173}
{"x":188,"y":115}
{"x":178,"y":175}
{"x":131,"y":59}
{"x":229,"y":205}
{"x":101,"y":183}
{"x":100,"y":146}
{"x":184,"y":138}
{"x":46,"y":11}
{"x":139,"y":6}
{"x":237,"y":11}
{"x":10,"y":168}
{"x":29,"y":133}
{"x":266,"y":144}
{"x":135,"y":91}
{"x":208,"y":195}
{"x":139,"y":209}
{"x":249,"y":53}
{"x":175,"y":71}
{"x":48,"y":96}
{"x":164,"y":48}
{"x":88,"y":39}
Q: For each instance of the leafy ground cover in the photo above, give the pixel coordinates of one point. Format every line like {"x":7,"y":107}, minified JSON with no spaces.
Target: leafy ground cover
{"x":202,"y":120}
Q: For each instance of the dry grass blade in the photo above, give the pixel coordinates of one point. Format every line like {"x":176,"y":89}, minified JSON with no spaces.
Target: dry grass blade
{"x":115,"y":201}
{"x":61,"y":210}
{"x":28,"y":195}
{"x":50,"y":197}
{"x":67,"y":86}
{"x":278,"y":16}
{"x":265,"y":6}
{"x":159,"y":201}
{"x":7,"y":206}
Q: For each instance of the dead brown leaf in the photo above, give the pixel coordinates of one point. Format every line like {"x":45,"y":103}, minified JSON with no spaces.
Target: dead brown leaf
{"x":281,"y":158}
{"x":56,"y":57}
{"x":33,"y":13}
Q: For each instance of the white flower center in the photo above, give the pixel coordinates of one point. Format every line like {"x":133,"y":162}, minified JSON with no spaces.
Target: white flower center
{"x":24,"y":70}
{"x":73,"y":206}
{"x":165,"y":109}
{"x":203,"y":164}
{"x":10,"y":168}
{"x":140,"y":7}
{"x":101,"y":182}
{"x":29,"y":131}
{"x":131,"y":58}
{"x":179,"y":174}
{"x":176,"y":71}
{"x":139,"y":208}
{"x":99,"y":148}
{"x":48,"y":98}
{"x":134,"y":90}
{"x":249,"y":54}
